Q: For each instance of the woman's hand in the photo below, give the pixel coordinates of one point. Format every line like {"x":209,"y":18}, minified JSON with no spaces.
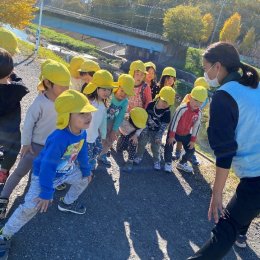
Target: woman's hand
{"x":215,"y":207}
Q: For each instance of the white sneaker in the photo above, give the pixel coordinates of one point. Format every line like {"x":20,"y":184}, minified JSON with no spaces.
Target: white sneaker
{"x":157,"y":166}
{"x":184,"y":167}
{"x":168,"y":167}
{"x":137,"y":160}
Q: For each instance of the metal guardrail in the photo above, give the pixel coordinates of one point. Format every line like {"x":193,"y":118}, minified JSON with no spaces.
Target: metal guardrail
{"x":103,"y":22}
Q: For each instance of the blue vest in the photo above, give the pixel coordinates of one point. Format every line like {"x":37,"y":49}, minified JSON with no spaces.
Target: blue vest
{"x":246,"y":162}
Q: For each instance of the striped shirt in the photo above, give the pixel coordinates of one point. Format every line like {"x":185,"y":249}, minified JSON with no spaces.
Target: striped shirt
{"x":185,"y":121}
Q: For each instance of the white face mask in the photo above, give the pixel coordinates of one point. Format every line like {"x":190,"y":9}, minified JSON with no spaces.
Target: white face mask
{"x":214,"y":83}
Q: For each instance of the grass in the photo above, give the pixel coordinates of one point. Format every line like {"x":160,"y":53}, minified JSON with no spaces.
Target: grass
{"x":43,"y":53}
{"x":63,"y":40}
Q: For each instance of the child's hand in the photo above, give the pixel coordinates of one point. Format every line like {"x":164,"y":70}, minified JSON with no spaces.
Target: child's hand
{"x":26,"y":149}
{"x":90,"y":178}
{"x":158,"y":141}
{"x":191,"y":145}
{"x":113,"y":136}
{"x":171,"y":141}
{"x":42,"y":205}
{"x":134,"y":139}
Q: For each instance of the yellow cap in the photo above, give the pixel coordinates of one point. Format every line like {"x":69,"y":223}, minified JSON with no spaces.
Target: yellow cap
{"x":8,"y":41}
{"x":201,"y":82}
{"x":199,"y":93}
{"x":101,"y":79}
{"x":55,"y":72}
{"x":89,"y":65}
{"x":43,"y":64}
{"x":126,"y":82}
{"x":75,"y":65}
{"x":139,"y":117}
{"x":71,"y":101}
{"x":137,"y":65}
{"x":150,"y":64}
{"x":167,"y":94}
{"x":169,"y":71}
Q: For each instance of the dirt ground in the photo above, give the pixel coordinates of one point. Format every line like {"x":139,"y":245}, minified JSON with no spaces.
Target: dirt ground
{"x":139,"y":215}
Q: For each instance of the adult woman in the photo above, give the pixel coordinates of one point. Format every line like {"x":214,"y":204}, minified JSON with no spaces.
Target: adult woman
{"x":235,"y":138}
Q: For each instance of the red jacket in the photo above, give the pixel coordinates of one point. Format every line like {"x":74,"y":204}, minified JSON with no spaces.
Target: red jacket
{"x":185,"y":121}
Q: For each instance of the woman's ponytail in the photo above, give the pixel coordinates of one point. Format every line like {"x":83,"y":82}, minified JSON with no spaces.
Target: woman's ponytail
{"x":250,"y":76}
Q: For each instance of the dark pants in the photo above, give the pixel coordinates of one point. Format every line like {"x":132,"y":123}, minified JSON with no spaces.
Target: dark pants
{"x":185,"y":140}
{"x":11,"y":142}
{"x":123,"y":143}
{"x":240,"y":211}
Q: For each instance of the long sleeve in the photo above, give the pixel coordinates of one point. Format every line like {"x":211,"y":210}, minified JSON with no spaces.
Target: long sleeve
{"x":32,"y":116}
{"x":120,"y":117}
{"x":147,"y":96}
{"x":54,"y":150}
{"x":222,"y":125}
{"x":166,"y":118}
{"x":195,"y":128}
{"x":103,"y":127}
{"x":175,"y":120}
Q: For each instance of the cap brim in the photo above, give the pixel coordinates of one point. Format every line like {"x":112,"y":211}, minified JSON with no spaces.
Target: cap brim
{"x":87,"y":109}
{"x":128,"y":92}
{"x":40,"y":86}
{"x":170,"y":104}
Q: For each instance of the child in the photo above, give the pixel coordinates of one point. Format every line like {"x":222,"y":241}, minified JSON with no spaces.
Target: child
{"x":63,"y":159}
{"x":8,"y":41}
{"x":159,"y":116}
{"x":74,"y":67}
{"x":198,"y":82}
{"x":150,"y":78}
{"x":39,"y":122}
{"x":11,"y":93}
{"x":116,"y":112}
{"x":129,"y":132}
{"x":98,"y":91}
{"x":143,"y":94}
{"x":86,"y":72}
{"x":168,"y":78}
{"x":184,"y":128}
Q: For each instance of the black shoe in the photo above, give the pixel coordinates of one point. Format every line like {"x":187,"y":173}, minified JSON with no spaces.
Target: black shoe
{"x":74,"y":207}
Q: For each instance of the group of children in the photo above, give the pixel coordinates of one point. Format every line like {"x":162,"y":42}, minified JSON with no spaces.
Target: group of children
{"x":71,"y":125}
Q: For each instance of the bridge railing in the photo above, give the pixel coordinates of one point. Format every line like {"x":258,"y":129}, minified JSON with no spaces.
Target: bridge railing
{"x":103,"y":22}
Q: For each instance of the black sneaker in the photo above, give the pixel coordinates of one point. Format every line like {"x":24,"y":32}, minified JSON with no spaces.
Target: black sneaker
{"x":241,"y":241}
{"x":74,"y":207}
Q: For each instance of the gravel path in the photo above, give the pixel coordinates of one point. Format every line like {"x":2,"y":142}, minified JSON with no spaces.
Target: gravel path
{"x":143,"y":215}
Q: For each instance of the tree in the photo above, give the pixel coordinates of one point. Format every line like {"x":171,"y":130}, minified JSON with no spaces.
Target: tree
{"x":182,"y":24}
{"x":208,"y":26}
{"x":248,"y":42}
{"x":17,"y":13}
{"x":231,"y":28}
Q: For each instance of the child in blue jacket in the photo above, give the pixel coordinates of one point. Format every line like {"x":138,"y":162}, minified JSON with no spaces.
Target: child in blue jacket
{"x":63,"y":159}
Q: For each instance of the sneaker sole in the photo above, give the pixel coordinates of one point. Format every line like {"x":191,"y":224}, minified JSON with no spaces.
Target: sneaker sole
{"x":69,"y":210}
{"x":240,"y":245}
{"x":181,"y":169}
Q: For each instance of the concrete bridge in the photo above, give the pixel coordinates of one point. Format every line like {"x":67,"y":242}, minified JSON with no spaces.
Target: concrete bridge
{"x":137,"y":41}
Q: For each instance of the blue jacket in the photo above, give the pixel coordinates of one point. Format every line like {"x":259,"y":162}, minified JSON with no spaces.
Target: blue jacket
{"x":62,"y":152}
